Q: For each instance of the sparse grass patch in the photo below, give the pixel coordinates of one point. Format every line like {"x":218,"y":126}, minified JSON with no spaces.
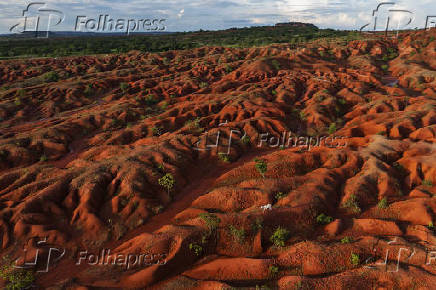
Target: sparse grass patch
{"x":261,"y":166}
{"x":279,"y":237}
{"x":238,"y":234}
{"x":16,"y":279}
{"x":273,"y":270}
{"x":346,"y":240}
{"x":224,"y":157}
{"x":51,"y":76}
{"x":167,"y":181}
{"x":427,"y":183}
{"x":383,"y":203}
{"x":280,"y":195}
{"x":211,"y":220}
{"x":332,"y":128}
{"x":355,"y":259}
{"x":324,"y":219}
{"x":352,"y":204}
{"x":196,"y":249}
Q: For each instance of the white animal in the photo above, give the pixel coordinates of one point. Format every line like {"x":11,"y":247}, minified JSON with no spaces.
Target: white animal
{"x":266,"y":207}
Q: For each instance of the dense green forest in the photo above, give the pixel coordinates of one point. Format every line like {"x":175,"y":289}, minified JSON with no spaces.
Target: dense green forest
{"x":238,"y":37}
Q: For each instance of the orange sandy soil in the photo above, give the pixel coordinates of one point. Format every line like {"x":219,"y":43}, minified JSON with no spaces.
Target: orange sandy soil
{"x":81,"y":166}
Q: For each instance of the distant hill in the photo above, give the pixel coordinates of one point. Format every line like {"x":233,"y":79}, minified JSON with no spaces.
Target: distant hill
{"x":66,"y":43}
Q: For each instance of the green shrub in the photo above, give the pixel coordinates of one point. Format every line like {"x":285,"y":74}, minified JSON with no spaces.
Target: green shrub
{"x":355,"y":259}
{"x":51,"y":76}
{"x":224,"y":157}
{"x":324,"y":219}
{"x":280,"y":195}
{"x":246,"y":140}
{"x":43,"y":158}
{"x":194,"y":125}
{"x":346,"y":240}
{"x":124,"y":87}
{"x":273,"y":270}
{"x":383,"y":203}
{"x":203,"y":85}
{"x":211,"y":220}
{"x":257,"y":225}
{"x":261,"y":166}
{"x":332,"y":128}
{"x":167,"y":181}
{"x":352,"y":204}
{"x":21,"y":92}
{"x":157,"y":131}
{"x":280,"y":236}
{"x":238,"y":234}
{"x":275,"y":64}
{"x":428,"y":183}
{"x":16,"y":279}
{"x":197,"y":249}
{"x":150,"y":100}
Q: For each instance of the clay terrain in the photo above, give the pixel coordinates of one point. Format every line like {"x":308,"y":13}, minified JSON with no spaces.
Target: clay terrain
{"x":183,"y":157}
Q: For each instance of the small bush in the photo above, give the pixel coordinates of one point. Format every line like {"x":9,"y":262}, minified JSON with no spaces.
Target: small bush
{"x":280,"y":195}
{"x":167,"y":181}
{"x":428,"y":183}
{"x":16,"y":278}
{"x":324,"y":219}
{"x":273,"y":270}
{"x":275,"y":64}
{"x":43,"y":158}
{"x":280,"y":236}
{"x":383,"y":203}
{"x":157,"y":131}
{"x":224,"y":157}
{"x":211,"y":220}
{"x":150,"y":100}
{"x":194,"y":125}
{"x":332,"y":128}
{"x":355,"y":259}
{"x":257,"y":225}
{"x":238,"y":234}
{"x":346,"y":240}
{"x":51,"y":76}
{"x":197,"y":249}
{"x":124,"y":87}
{"x":352,"y":204}
{"x":246,"y":140}
{"x":261,"y":166}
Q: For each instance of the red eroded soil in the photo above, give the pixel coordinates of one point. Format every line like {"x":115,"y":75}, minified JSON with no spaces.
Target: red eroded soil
{"x":81,"y":159}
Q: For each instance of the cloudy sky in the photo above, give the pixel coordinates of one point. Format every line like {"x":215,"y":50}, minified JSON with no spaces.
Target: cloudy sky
{"x":188,"y":15}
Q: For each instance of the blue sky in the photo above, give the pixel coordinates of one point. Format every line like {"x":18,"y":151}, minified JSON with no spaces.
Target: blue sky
{"x":187,"y":15}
